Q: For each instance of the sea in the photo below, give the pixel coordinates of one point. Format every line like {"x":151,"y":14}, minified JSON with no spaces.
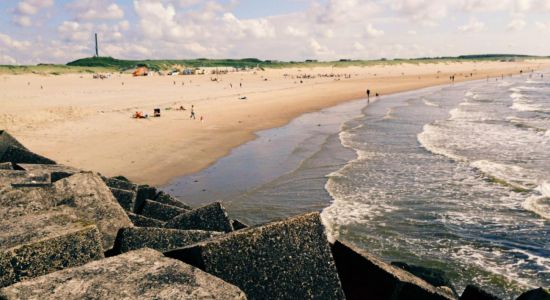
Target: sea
{"x":454,"y":177}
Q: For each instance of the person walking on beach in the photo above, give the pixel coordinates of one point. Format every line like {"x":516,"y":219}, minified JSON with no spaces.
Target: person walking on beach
{"x":368,"y":96}
{"x":192,"y":116}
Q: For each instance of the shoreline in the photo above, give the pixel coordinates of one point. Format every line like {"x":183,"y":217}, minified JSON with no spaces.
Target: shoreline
{"x":156,"y":151}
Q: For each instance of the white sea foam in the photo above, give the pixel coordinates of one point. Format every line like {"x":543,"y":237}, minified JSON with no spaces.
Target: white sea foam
{"x":515,"y":176}
{"x":429,"y":103}
{"x":540,"y":204}
{"x":433,"y":139}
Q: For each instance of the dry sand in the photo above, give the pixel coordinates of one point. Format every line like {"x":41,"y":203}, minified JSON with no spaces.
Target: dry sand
{"x":85,"y":122}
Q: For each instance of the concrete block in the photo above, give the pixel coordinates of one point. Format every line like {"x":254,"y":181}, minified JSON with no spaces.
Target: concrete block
{"x":120,"y":184}
{"x":6,"y":166}
{"x":161,"y":239}
{"x":288,"y":259}
{"x":155,"y":210}
{"x":144,"y":192}
{"x":38,"y":244}
{"x":140,"y":274}
{"x":535,"y":294}
{"x":126,"y":198}
{"x":141,"y":221}
{"x":18,"y":155}
{"x":237,"y":225}
{"x":364,"y":276}
{"x":211,"y":217}
{"x":473,"y":292}
{"x":165,"y":198}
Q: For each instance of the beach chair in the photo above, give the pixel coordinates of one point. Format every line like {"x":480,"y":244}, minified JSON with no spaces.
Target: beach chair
{"x":156,"y":112}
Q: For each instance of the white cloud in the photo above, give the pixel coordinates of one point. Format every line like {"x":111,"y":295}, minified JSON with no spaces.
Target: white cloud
{"x":7,"y":60}
{"x":516,"y":24}
{"x":27,"y":8}
{"x":96,"y":10}
{"x":373,"y":32}
{"x":426,"y":12}
{"x":11,"y":43}
{"x":72,"y":31}
{"x":472,"y":26}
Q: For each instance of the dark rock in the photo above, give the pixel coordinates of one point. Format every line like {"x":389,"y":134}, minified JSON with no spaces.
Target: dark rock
{"x":17,"y":155}
{"x":536,"y":294}
{"x":164,"y":198}
{"x":6,"y":166}
{"x":238,"y":224}
{"x":155,"y":210}
{"x":144,"y":192}
{"x":126,"y":199}
{"x":161,"y":239}
{"x":141,"y":221}
{"x":120,"y":177}
{"x":363,"y":274}
{"x":39,"y":169}
{"x":211,"y":217}
{"x":34,"y":245}
{"x":120,"y":184}
{"x":473,"y":292}
{"x":84,"y":193}
{"x":433,"y":276}
{"x":7,"y":140}
{"x":141,"y":274}
{"x":288,"y":259}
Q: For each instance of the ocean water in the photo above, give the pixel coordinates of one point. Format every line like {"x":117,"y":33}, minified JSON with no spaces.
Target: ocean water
{"x":455,"y":177}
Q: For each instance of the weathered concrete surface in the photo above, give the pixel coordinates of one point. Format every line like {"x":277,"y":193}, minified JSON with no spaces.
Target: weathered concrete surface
{"x":6,"y":166}
{"x":364,"y":276}
{"x":288,"y":259}
{"x":7,"y":140}
{"x":237,"y":224}
{"x":120,"y":184}
{"x":165,"y":198}
{"x":155,"y":210}
{"x":211,"y":217}
{"x":141,"y":221}
{"x":536,"y":294}
{"x":35,"y":245}
{"x":141,"y":274}
{"x":473,"y":292}
{"x":126,"y":199}
{"x":92,"y":200}
{"x":23,"y":178}
{"x":56,"y":172}
{"x":85,"y":193}
{"x":161,"y":239}
{"x":144,"y":192}
{"x":435,"y":277}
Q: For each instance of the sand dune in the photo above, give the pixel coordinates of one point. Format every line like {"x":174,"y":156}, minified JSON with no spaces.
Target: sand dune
{"x":85,"y":122}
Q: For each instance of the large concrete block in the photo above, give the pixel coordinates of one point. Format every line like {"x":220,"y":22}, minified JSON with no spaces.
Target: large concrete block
{"x":211,"y":217}
{"x":6,"y":166}
{"x":473,"y":292}
{"x":288,"y":259}
{"x":364,"y":276}
{"x":536,"y":294}
{"x":126,"y":199}
{"x":7,"y":140}
{"x":141,"y":221}
{"x":120,"y":184}
{"x":144,"y":192}
{"x":155,"y":210}
{"x":92,"y":200}
{"x":161,"y":239}
{"x":18,"y":178}
{"x":141,"y":274}
{"x":165,"y":198}
{"x":34,"y":245}
{"x":56,"y":172}
{"x":85,"y":193}
{"x":17,"y":155}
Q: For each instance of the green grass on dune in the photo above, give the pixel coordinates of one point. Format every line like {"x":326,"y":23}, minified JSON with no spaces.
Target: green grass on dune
{"x":109,"y":64}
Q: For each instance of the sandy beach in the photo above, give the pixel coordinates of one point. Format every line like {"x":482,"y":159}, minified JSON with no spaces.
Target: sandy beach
{"x":86,"y":123}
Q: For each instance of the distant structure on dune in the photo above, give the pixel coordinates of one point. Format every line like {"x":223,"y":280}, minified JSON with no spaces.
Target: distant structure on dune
{"x":96,"y":47}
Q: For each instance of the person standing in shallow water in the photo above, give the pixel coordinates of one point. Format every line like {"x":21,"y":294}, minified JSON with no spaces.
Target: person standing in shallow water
{"x":192,"y":116}
{"x":368,"y":96}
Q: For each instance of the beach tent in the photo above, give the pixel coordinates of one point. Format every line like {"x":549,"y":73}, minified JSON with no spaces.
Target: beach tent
{"x":141,"y":71}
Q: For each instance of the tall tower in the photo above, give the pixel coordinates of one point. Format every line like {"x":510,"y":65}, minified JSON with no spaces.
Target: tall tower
{"x":96,"y":47}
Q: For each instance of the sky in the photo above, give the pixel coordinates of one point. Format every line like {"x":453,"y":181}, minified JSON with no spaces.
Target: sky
{"x":59,"y":31}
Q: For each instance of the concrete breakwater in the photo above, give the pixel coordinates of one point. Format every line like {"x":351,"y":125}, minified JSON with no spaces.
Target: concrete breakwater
{"x":72,"y":234}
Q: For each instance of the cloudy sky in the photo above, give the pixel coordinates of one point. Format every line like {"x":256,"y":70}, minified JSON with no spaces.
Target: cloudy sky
{"x":58,"y":31}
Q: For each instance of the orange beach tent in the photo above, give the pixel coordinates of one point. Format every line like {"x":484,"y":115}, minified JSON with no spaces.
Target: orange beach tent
{"x":141,"y":71}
